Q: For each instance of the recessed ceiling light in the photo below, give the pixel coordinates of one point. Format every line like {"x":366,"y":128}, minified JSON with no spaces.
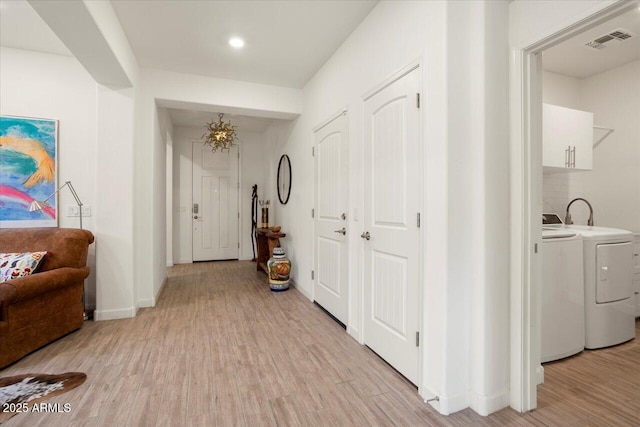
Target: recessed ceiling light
{"x":236,"y":42}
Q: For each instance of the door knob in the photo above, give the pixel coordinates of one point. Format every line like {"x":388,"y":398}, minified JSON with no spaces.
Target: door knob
{"x":366,"y":235}
{"x":343,"y":231}
{"x":196,"y":217}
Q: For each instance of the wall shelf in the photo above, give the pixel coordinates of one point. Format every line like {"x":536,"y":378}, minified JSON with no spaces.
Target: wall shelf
{"x":609,"y":132}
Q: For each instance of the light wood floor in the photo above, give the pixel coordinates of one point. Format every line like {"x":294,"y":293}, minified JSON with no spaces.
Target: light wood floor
{"x":221,"y":349}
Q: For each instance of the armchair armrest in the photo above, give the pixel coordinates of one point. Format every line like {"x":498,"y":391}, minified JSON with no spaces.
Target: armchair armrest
{"x":24,"y":288}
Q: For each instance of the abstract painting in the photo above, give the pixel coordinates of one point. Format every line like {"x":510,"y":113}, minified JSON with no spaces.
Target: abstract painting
{"x":28,"y":171}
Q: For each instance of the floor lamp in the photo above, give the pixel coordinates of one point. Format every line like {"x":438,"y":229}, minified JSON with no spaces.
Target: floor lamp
{"x":39,"y":205}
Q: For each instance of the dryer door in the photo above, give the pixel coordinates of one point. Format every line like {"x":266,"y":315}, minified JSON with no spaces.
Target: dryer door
{"x":614,"y":272}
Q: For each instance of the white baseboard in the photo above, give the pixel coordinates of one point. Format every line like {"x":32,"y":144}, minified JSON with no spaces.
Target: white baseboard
{"x":486,"y":405}
{"x":540,"y":375}
{"x":183,"y":261}
{"x":301,"y":289}
{"x":146,"y":302}
{"x":118,"y":313}
{"x":355,"y":334}
{"x":447,"y":405}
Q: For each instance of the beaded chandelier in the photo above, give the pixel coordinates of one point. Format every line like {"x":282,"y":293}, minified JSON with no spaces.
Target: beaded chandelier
{"x":220,"y":135}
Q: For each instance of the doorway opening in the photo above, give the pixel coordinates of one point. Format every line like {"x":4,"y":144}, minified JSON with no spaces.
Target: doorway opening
{"x":538,"y":189}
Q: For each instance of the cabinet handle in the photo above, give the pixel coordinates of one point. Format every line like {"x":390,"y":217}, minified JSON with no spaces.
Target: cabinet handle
{"x":573,"y":157}
{"x":567,"y":156}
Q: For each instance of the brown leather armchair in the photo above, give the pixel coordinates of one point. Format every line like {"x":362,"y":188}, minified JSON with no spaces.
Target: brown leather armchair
{"x":38,"y":309}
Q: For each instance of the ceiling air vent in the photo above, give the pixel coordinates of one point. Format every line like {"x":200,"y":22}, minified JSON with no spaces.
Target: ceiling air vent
{"x":612,"y":38}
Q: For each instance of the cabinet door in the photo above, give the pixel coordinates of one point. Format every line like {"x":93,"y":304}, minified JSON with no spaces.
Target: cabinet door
{"x":582,"y":129}
{"x":555,"y":138}
{"x":567,"y":138}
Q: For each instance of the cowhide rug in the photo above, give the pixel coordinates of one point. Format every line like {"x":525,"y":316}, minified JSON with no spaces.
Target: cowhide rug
{"x":22,"y":393}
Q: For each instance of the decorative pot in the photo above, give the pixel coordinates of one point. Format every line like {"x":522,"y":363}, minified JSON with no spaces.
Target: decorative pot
{"x":279,"y":269}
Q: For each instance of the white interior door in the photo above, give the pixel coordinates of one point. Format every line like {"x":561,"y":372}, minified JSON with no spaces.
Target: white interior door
{"x":215,"y":204}
{"x":331,"y":253}
{"x":393,"y":191}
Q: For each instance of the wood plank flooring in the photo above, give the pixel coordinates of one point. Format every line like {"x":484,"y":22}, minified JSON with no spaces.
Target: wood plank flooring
{"x":221,"y":349}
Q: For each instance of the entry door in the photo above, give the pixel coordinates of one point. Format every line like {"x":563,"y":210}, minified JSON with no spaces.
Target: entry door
{"x":331,"y":254}
{"x":215,"y":204}
{"x":393,"y":191}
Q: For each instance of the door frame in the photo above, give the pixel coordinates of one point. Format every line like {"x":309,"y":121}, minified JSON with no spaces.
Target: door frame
{"x":341,"y":112}
{"x":416,"y":64}
{"x":239,"y":157}
{"x":526,"y":186}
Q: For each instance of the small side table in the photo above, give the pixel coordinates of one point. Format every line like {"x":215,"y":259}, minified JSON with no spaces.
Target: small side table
{"x":267,"y":240}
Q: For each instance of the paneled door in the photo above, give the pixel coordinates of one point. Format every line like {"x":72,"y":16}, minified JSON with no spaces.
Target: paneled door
{"x":392,"y":201}
{"x":215,"y":204}
{"x":332,"y":183}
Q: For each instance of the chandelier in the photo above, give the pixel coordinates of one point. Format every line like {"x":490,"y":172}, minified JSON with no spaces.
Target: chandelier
{"x":220,"y":135}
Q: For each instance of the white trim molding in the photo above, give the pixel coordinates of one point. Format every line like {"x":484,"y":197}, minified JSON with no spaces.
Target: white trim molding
{"x":447,"y":405}
{"x":485,"y":405}
{"x":120,"y":313}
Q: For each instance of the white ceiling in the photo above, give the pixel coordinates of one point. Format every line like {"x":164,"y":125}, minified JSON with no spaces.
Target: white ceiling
{"x":191,"y":118}
{"x":22,"y":28}
{"x":286,"y":41}
{"x":572,"y":58}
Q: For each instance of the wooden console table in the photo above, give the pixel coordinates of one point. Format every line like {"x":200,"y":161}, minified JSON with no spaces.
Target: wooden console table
{"x":266,"y":240}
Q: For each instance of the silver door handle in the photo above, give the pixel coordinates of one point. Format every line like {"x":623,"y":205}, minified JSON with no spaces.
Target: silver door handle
{"x":343,"y":231}
{"x":366,"y":235}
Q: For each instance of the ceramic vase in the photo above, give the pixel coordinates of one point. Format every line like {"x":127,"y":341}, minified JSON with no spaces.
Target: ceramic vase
{"x":279,"y":269}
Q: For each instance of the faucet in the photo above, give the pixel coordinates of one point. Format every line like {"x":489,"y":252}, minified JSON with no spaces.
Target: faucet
{"x":567,"y":218}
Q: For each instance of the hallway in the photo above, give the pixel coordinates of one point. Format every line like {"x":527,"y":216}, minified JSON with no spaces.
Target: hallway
{"x":221,"y":349}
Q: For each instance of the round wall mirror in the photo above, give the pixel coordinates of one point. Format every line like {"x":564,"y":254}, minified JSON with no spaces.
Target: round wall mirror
{"x":284,"y":179}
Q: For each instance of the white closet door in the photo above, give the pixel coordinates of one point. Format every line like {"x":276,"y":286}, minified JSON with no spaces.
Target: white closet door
{"x":392,"y":195}
{"x":331,"y":243}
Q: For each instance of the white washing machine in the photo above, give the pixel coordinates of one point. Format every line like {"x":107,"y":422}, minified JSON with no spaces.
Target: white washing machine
{"x":608,"y":284}
{"x":562,"y":307}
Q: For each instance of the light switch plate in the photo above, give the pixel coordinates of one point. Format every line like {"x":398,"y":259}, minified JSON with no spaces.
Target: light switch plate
{"x":86,"y":211}
{"x":73,"y":211}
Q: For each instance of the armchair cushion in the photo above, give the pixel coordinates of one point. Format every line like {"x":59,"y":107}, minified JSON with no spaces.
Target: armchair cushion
{"x":14,"y":265}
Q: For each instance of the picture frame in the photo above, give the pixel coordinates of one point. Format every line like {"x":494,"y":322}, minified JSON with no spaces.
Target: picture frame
{"x":28,"y":171}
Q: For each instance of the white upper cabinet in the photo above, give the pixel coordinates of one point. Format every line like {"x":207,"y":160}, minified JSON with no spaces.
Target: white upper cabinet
{"x":567,"y":139}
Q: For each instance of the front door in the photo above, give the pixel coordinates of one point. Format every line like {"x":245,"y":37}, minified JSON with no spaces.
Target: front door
{"x":215,"y":203}
{"x":331,"y":254}
{"x":392,"y":200}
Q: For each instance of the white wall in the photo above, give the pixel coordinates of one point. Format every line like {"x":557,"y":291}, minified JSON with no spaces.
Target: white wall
{"x":162,"y":136}
{"x":35,"y":84}
{"x":613,"y":186}
{"x":253,"y":170}
{"x":561,"y":90}
{"x":95,"y":154}
{"x":464,"y":93}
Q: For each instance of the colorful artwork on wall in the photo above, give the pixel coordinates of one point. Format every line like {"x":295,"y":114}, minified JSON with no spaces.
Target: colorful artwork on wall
{"x":28,"y":171}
